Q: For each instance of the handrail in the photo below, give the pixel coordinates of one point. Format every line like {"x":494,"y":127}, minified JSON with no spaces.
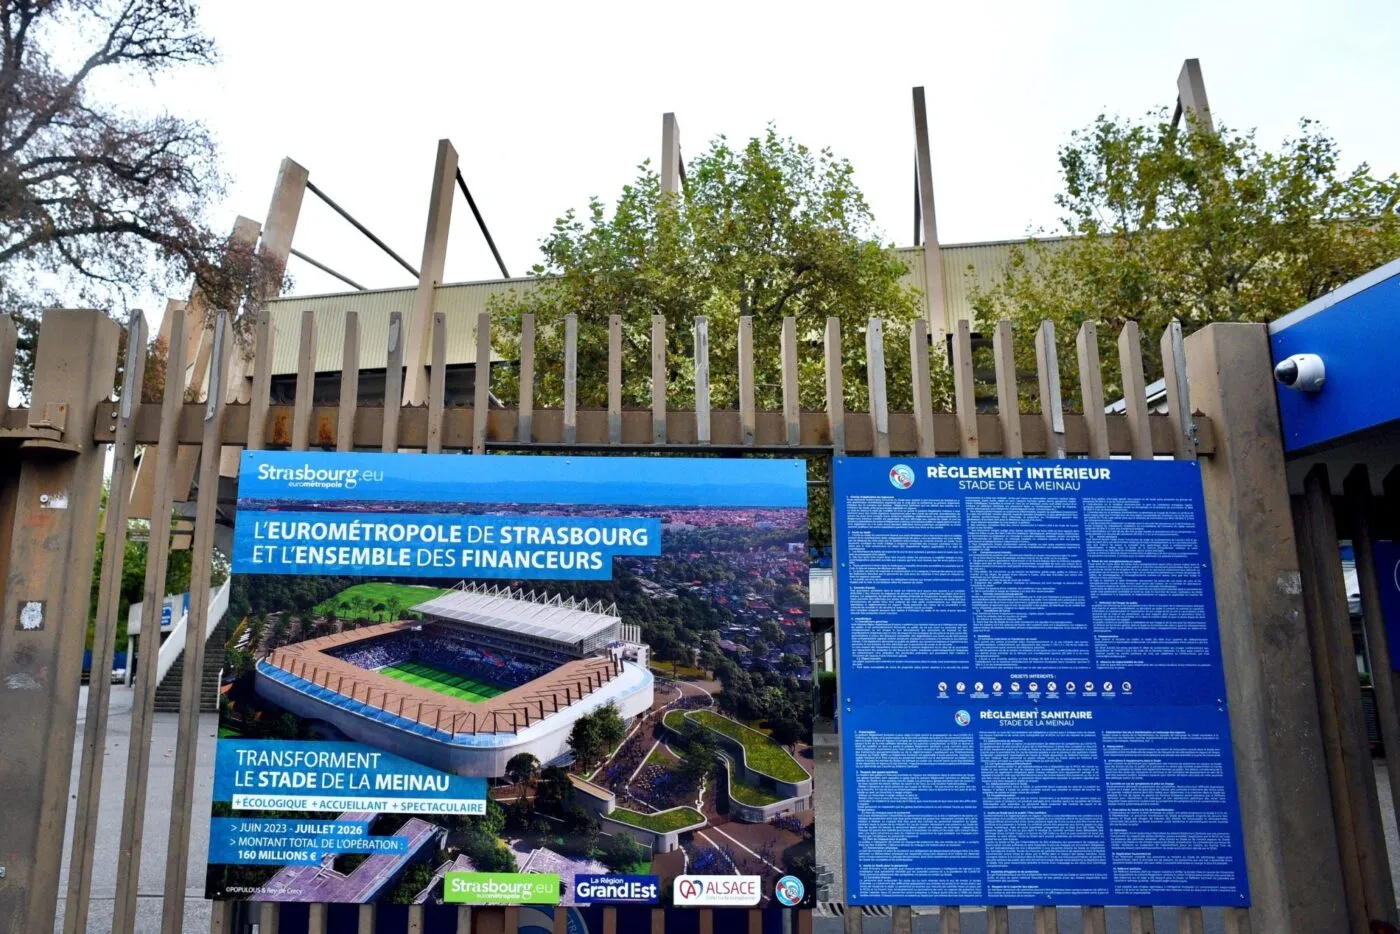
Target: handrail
{"x":174,"y":645}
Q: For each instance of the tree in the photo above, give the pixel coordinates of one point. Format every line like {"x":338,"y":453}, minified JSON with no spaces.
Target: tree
{"x":785,"y":730}
{"x":97,"y":198}
{"x":521,"y":768}
{"x":698,"y":758}
{"x":767,"y":229}
{"x":586,"y":741}
{"x":1194,"y":225}
{"x":611,"y":726}
{"x":554,"y":790}
{"x":621,"y":852}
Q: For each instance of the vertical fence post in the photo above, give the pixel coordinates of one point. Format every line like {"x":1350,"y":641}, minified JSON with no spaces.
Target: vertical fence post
{"x":614,"y":379}
{"x":792,"y":406}
{"x":525,"y":425}
{"x":1091,"y":389}
{"x":1290,"y":840}
{"x":43,"y":622}
{"x":570,"y":379}
{"x":437,"y":384}
{"x":306,"y":381}
{"x":922,"y":387}
{"x":153,"y":596}
{"x":1365,"y":871}
{"x":1364,"y":513}
{"x":393,"y":383}
{"x":747,"y":418}
{"x":1008,"y":394}
{"x":658,"y":379}
{"x":964,"y":391}
{"x":349,"y":382}
{"x":835,"y":400}
{"x":182,"y":800}
{"x":122,"y":428}
{"x":702,"y":380}
{"x":1047,"y":364}
{"x":875,"y":385}
{"x":262,"y":380}
{"x":481,"y":402}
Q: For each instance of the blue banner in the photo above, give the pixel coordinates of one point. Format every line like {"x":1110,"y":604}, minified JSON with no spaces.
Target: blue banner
{"x":426,"y":545}
{"x":248,"y":841}
{"x":302,"y":775}
{"x":617,"y":890}
{"x":325,"y":477}
{"x":1033,"y":702}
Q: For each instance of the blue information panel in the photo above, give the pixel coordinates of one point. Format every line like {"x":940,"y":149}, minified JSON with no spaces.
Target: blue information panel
{"x":1032,"y":700}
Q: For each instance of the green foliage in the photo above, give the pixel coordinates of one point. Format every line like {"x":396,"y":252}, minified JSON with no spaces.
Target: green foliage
{"x":413,"y":881}
{"x":594,"y":734}
{"x":766,"y":230}
{"x":1191,"y":225}
{"x":661,"y":822}
{"x":521,"y":768}
{"x":553,"y":790}
{"x":622,"y":852}
{"x":760,"y":752}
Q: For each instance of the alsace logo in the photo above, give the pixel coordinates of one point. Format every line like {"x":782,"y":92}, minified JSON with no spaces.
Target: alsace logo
{"x":636,"y":890}
{"x":717,"y":890}
{"x":901,"y":476}
{"x":322,"y":478}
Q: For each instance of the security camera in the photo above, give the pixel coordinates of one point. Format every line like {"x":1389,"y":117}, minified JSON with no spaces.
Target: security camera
{"x":1304,"y":372}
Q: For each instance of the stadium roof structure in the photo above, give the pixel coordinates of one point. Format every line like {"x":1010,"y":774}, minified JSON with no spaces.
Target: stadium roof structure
{"x":313,"y":667}
{"x":523,"y":613}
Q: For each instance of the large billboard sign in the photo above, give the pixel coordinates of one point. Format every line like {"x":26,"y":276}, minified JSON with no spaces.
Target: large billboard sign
{"x":521,"y":680}
{"x":1032,"y":702}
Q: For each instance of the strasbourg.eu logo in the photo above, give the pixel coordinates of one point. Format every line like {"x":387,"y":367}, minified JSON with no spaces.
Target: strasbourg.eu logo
{"x":902,"y":476}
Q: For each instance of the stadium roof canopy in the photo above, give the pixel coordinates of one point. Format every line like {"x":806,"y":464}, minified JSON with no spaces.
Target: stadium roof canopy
{"x":539,"y":616}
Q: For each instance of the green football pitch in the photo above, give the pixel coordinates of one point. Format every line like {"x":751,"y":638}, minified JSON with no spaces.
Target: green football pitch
{"x":444,"y":682}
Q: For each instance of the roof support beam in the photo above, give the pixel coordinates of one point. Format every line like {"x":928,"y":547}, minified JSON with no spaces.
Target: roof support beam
{"x":360,"y":227}
{"x":327,"y":270}
{"x":471,"y":203}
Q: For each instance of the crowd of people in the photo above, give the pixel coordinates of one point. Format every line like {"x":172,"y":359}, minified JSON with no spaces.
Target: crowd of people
{"x":456,"y":655}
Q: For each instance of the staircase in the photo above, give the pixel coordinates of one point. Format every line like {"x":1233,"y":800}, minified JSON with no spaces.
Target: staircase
{"x":168,"y":691}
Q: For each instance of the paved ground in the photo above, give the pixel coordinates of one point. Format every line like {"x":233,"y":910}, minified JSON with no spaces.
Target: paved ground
{"x":159,"y":791}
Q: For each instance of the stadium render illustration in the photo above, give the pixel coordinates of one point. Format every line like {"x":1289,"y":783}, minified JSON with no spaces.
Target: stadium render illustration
{"x":487,"y":673}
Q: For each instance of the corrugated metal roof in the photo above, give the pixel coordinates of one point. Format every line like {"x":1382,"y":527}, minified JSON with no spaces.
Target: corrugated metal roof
{"x":965,"y":266}
{"x":520,"y":613}
{"x":461,"y":302}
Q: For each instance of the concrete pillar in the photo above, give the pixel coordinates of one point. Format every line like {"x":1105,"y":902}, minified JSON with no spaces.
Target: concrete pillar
{"x":1191,"y":95}
{"x":417,"y":352}
{"x":935,"y":300}
{"x":43,"y":622}
{"x":670,"y":155}
{"x":1290,"y":838}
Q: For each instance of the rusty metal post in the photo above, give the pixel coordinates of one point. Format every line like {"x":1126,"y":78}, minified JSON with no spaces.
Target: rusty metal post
{"x":43,"y":623}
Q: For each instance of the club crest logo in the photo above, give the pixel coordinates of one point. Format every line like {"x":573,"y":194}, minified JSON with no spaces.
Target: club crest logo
{"x":902,"y":476}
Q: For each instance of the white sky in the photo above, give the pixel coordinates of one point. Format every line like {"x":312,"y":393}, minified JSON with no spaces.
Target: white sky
{"x":550,"y":103}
